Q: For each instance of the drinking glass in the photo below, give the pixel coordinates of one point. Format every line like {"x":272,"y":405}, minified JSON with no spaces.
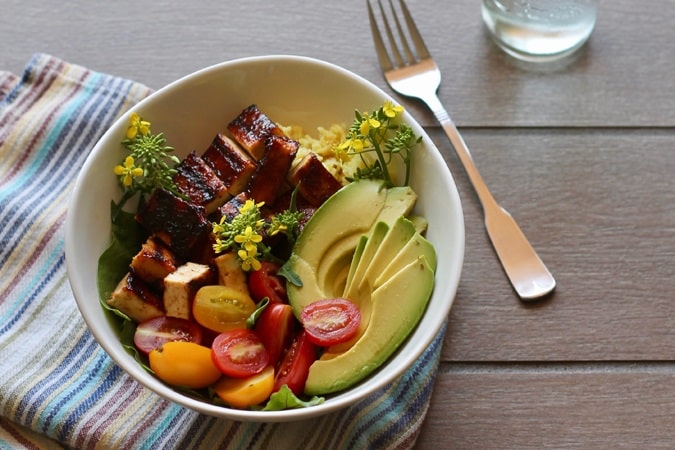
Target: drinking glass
{"x":539,"y":30}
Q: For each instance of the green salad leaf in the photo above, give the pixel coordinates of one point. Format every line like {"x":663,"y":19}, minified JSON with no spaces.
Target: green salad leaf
{"x":127,"y":238}
{"x":284,"y":398}
{"x":255,"y":315}
{"x":113,"y":264}
{"x":287,"y":273}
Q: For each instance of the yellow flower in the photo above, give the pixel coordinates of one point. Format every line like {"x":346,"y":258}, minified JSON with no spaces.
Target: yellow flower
{"x":128,"y":171}
{"x":219,"y":246}
{"x":277,"y":228}
{"x":248,"y":260}
{"x":137,"y":125}
{"x":249,"y":239}
{"x":347,"y":148}
{"x":249,"y":205}
{"x":357,"y":144}
{"x":390,"y":110}
{"x":367,"y":123}
{"x":340,"y":152}
{"x":219,"y":228}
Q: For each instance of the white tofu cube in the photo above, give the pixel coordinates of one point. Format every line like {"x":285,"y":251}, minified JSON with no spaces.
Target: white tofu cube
{"x":181,"y":286}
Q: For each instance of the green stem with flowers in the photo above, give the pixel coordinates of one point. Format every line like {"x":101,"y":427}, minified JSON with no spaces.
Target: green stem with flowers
{"x":149,"y":163}
{"x":380,"y":132}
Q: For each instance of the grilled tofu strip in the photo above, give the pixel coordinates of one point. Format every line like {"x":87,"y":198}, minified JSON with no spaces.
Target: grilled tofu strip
{"x":135,"y":299}
{"x":315,"y":183}
{"x":230,"y":209}
{"x":232,"y":164}
{"x":181,"y":286}
{"x":181,"y":225}
{"x":154,"y":261}
{"x":251,"y":128}
{"x":198,"y":181}
{"x":269,"y":180}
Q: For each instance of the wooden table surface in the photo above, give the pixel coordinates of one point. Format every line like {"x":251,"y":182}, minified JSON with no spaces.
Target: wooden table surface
{"x":582,"y":155}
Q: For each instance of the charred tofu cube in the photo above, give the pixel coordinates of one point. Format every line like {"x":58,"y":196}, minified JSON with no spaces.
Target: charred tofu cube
{"x":230,"y":209}
{"x":251,"y":128}
{"x":230,"y":273}
{"x":181,"y":225}
{"x":198,"y":181}
{"x":154,"y":261}
{"x":181,"y":286}
{"x":269,"y":180}
{"x":233,"y":165}
{"x":135,"y":299}
{"x":315,"y":183}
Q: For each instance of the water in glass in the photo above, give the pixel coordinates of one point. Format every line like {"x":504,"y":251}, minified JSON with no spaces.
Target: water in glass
{"x":535,"y":30}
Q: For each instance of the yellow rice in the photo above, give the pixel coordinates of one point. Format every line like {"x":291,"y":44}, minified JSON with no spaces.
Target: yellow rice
{"x":322,"y":145}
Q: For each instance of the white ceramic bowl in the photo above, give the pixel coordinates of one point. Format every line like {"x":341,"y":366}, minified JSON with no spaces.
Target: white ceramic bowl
{"x":190,"y":111}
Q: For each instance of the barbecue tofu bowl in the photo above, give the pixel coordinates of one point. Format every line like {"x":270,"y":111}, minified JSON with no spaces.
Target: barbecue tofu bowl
{"x":381,"y":248}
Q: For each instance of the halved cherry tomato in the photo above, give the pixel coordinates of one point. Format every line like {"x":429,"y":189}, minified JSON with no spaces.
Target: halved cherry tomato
{"x":330,"y":321}
{"x":153,"y":333}
{"x":239,"y":353}
{"x":275,"y":327}
{"x":264,"y":282}
{"x":295,"y":365}
{"x":245,"y":392}
{"x":184,"y":364}
{"x":221,"y":308}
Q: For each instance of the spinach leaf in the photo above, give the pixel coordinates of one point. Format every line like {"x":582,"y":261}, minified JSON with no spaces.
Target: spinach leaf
{"x":127,"y":238}
{"x":113,"y":264}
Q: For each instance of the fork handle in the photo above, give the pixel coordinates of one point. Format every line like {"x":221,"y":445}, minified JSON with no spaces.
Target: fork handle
{"x":526,"y":271}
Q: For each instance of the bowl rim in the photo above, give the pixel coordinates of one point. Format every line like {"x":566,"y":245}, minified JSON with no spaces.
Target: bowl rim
{"x":334,"y":403}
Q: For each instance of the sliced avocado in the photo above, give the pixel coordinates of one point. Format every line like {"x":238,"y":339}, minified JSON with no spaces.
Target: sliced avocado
{"x":374,"y":239}
{"x":397,"y":306}
{"x":364,"y":282}
{"x":354,"y":289}
{"x":400,"y":201}
{"x":340,"y":222}
{"x":416,"y":246}
{"x":421,"y":223}
{"x":355,"y":259}
{"x":401,"y":246}
{"x":334,"y":267}
{"x":399,"y":234}
{"x":342,"y":249}
{"x":306,"y":273}
{"x":349,"y":212}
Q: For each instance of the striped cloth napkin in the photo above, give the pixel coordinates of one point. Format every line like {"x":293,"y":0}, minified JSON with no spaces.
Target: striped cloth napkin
{"x":58,"y":388}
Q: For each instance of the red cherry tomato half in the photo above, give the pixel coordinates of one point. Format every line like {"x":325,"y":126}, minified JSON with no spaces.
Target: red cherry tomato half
{"x":330,"y":321}
{"x":239,"y":353}
{"x":275,"y":327}
{"x":264,"y":282}
{"x":153,"y":333}
{"x":294,"y":367}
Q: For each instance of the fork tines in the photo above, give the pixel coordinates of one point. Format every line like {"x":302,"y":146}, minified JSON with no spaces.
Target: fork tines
{"x":397,"y":40}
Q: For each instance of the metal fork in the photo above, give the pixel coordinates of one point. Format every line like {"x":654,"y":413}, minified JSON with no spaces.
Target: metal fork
{"x":419,"y":77}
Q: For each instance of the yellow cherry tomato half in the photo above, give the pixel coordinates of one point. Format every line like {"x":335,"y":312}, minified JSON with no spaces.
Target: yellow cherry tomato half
{"x":184,"y":364}
{"x":221,"y":308}
{"x":245,"y":392}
